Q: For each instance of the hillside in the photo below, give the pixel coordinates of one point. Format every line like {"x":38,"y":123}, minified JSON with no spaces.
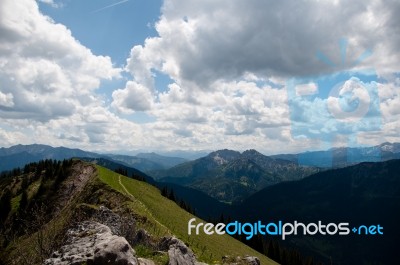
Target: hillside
{"x":199,"y":201}
{"x":52,"y":197}
{"x":363,"y":194}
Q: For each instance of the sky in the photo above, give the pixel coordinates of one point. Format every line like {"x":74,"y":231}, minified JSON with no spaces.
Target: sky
{"x":135,"y":75}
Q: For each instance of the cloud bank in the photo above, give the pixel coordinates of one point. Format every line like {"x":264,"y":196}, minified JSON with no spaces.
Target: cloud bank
{"x":228,"y":62}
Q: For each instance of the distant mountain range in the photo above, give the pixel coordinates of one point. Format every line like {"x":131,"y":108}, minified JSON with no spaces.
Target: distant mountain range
{"x":19,"y":155}
{"x":345,"y":156}
{"x":226,"y":175}
{"x":147,"y":161}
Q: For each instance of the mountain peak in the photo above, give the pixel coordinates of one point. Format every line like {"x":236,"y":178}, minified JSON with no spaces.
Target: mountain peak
{"x":224,"y":156}
{"x":390,"y":147}
{"x":251,"y":152}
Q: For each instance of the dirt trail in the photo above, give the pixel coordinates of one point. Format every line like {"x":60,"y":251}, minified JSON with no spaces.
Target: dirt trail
{"x":144,"y":206}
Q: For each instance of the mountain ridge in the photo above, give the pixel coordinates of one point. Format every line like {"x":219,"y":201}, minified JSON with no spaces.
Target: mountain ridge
{"x":19,"y":155}
{"x":63,"y":196}
{"x":345,"y":156}
{"x":230,"y":176}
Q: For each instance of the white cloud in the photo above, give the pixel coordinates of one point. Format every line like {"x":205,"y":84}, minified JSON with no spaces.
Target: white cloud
{"x":134,"y":97}
{"x":228,"y":61}
{"x":200,"y":43}
{"x":48,"y":83}
{"x":47,"y":71}
{"x":6,"y":100}
{"x":51,"y":3}
{"x":306,"y":89}
{"x":349,"y":102}
{"x":390,"y":101}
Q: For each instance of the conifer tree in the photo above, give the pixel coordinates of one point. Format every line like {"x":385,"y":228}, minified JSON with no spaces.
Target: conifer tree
{"x":5,"y":204}
{"x":23,"y":203}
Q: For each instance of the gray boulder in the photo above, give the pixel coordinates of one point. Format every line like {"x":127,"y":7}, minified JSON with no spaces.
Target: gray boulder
{"x":178,"y":252}
{"x":251,"y":260}
{"x":93,"y":243}
{"x":247,"y":260}
{"x":143,"y":261}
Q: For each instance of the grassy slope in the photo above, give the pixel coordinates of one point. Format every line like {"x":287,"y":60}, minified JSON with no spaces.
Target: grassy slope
{"x":169,"y":218}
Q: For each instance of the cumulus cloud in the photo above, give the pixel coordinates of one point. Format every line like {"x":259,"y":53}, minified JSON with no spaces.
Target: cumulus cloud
{"x":228,"y":61}
{"x":134,"y":97}
{"x":350,"y":101}
{"x":45,"y":69}
{"x":203,"y":42}
{"x":6,"y":100}
{"x":52,"y":3}
{"x":306,"y":89}
{"x":48,"y":84}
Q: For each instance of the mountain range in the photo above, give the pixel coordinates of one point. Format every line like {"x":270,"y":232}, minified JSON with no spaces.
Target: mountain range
{"x":226,"y":175}
{"x":367,"y":193}
{"x":19,"y":155}
{"x":344,"y":156}
{"x":231,"y":176}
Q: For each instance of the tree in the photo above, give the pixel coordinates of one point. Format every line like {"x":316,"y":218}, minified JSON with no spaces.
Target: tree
{"x":25,"y":182}
{"x":271,"y":250}
{"x":164,"y":191}
{"x":23,"y":203}
{"x":5,"y":204}
{"x":121,"y":171}
{"x":171,"y":195}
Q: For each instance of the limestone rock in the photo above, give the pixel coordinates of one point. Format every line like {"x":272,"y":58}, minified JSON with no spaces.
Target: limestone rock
{"x":251,"y":260}
{"x":93,"y":243}
{"x":143,"y":237}
{"x":178,"y":252}
{"x":246,"y":260}
{"x":143,"y":261}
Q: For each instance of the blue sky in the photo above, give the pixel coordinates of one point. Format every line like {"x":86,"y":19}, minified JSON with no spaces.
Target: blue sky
{"x":108,"y":27}
{"x":115,"y":75}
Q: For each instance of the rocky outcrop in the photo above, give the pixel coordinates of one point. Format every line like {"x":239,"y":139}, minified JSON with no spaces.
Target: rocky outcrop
{"x":178,"y":252}
{"x":93,"y":243}
{"x":109,"y":218}
{"x":251,"y":260}
{"x":247,"y":260}
{"x":143,"y":237}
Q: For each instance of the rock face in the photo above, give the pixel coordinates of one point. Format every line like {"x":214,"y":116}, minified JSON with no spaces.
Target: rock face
{"x":251,"y":260}
{"x":109,"y":218}
{"x":247,"y":260}
{"x":143,"y":261}
{"x":178,"y":252}
{"x":93,"y":243}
